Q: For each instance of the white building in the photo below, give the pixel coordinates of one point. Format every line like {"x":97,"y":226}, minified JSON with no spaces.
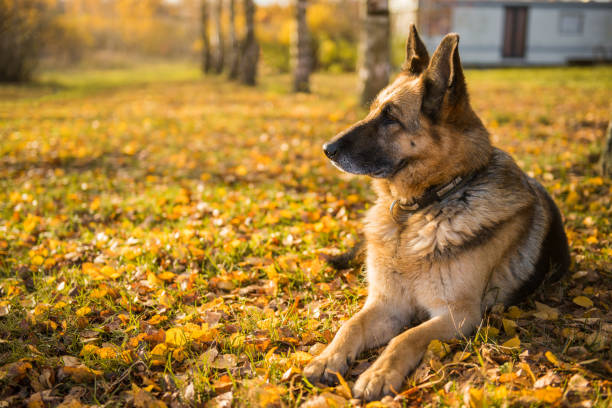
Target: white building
{"x":519,"y":32}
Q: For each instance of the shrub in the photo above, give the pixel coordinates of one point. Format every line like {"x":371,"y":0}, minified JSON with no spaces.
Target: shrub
{"x":22,"y":23}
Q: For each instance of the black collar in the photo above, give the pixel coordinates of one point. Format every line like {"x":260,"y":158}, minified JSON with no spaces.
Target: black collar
{"x":433,"y":194}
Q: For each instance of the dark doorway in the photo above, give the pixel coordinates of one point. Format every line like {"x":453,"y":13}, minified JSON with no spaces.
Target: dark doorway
{"x":515,"y":32}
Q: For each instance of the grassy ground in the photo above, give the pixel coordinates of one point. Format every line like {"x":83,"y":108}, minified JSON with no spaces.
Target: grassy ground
{"x":161,"y":238}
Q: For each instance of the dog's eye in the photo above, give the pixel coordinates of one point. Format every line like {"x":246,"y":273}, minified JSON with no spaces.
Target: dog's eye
{"x":388,"y":118}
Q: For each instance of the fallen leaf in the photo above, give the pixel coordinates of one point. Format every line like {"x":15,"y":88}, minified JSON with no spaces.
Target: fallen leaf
{"x":583,"y":301}
{"x":176,"y":336}
{"x":223,"y":384}
{"x":513,"y":343}
{"x":509,"y":326}
{"x":439,"y":348}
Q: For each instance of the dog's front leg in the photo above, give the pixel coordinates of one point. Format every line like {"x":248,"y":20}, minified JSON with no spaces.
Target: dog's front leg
{"x":374,"y":325}
{"x":404,"y":352}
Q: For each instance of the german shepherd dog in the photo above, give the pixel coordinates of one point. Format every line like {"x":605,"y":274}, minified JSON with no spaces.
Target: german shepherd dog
{"x":457,"y":227}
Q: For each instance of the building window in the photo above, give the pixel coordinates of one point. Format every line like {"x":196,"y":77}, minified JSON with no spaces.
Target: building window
{"x":570,"y":22}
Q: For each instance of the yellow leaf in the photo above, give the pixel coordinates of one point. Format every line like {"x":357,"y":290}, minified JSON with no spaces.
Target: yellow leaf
{"x":491,"y":331}
{"x":507,"y":377}
{"x":438,"y":348}
{"x":176,"y":337}
{"x":301,"y":358}
{"x":98,"y":293}
{"x":548,"y":395}
{"x":110,"y":272}
{"x":179,"y":354}
{"x":84,"y":311}
{"x":477,"y":398}
{"x":509,"y":326}
{"x":461,"y":356}
{"x":514,"y":312}
{"x":513,"y":343}
{"x":37,"y":260}
{"x":500,"y":393}
{"x":269,"y":354}
{"x":159,"y":350}
{"x":93,"y":271}
{"x":106,"y":353}
{"x":269,"y":395}
{"x":552,"y":358}
{"x":95,"y":204}
{"x":153,"y":280}
{"x":596,"y":181}
{"x":157,"y":319}
{"x":166,"y":276}
{"x":88,"y":349}
{"x":583,"y":301}
{"x":241,"y":170}
{"x":345,"y":390}
{"x":81,"y":373}
{"x":525,"y":367}
{"x":126,"y":356}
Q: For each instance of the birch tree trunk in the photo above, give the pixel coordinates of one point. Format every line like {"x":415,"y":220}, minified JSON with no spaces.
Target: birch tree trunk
{"x":218,"y":37}
{"x":234,"y":51}
{"x":249,"y":50}
{"x":301,"y":57}
{"x":206,"y":57}
{"x":374,"y":59}
{"x":606,"y":154}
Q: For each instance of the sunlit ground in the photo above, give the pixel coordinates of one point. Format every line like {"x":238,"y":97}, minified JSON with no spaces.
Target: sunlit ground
{"x":160,"y":241}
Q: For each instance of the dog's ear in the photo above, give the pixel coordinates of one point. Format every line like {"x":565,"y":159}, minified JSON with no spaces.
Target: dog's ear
{"x":417,"y":56}
{"x":444,"y":78}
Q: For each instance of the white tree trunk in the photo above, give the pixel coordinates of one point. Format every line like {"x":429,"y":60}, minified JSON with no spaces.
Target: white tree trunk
{"x":374,"y":59}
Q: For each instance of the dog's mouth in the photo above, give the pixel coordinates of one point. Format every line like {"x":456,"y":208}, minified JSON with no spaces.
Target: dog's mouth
{"x":400,"y":166}
{"x":383,"y":172}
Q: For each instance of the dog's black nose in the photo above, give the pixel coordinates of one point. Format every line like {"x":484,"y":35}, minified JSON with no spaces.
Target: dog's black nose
{"x":330,"y":149}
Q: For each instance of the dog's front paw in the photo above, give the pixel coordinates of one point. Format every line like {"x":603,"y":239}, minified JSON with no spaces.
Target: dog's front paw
{"x":376,"y":382}
{"x":323,"y":368}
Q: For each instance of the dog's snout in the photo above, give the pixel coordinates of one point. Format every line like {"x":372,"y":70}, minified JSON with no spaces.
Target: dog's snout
{"x":330,"y":149}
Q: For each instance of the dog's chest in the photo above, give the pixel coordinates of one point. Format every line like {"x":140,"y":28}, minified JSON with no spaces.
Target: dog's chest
{"x":402,"y":261}
{"x":417,"y":239}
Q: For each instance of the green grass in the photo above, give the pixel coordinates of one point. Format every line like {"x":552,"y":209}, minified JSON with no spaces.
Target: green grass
{"x":150,"y":216}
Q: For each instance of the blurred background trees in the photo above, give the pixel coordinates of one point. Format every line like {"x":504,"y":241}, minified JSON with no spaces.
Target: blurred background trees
{"x":22,"y":25}
{"x":218,"y":44}
{"x":301,"y":54}
{"x":113,"y":33}
{"x":205,"y":41}
{"x":233,"y":46}
{"x":374,"y":57}
{"x":249,"y":49}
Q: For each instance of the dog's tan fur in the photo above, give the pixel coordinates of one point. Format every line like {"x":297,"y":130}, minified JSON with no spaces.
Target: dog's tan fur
{"x":446,"y":263}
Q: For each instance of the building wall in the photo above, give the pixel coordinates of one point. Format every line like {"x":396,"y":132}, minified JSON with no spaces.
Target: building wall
{"x":480,"y":29}
{"x":556,"y":32}
{"x":548,"y":42}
